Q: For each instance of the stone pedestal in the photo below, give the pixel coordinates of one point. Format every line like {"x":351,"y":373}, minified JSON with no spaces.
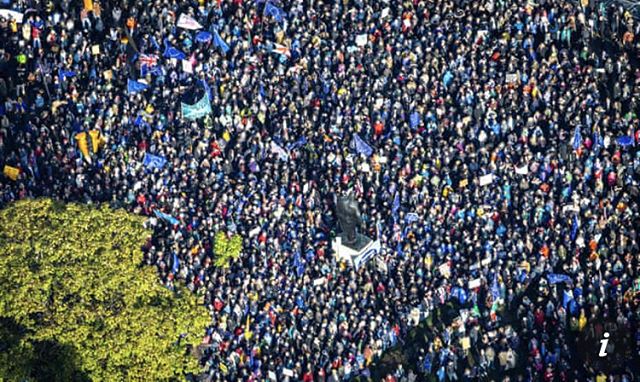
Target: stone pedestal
{"x":365,"y":249}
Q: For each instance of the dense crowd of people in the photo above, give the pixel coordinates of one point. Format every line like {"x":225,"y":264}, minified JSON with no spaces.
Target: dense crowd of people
{"x":492,"y":147}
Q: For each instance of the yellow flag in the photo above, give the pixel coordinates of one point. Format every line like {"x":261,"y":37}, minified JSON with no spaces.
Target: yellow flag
{"x":428,"y":261}
{"x":11,"y":172}
{"x":226,"y":136}
{"x":88,"y":5}
{"x":582,"y":322}
{"x":95,"y":140}
{"x":247,"y":333}
{"x":82,"y":144}
{"x":223,"y":368}
{"x":279,"y":36}
{"x":535,"y":92}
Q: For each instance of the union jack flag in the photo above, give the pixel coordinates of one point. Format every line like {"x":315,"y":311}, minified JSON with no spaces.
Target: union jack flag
{"x":148,"y":59}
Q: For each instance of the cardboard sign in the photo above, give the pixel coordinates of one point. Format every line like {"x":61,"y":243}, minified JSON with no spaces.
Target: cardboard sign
{"x":95,"y":50}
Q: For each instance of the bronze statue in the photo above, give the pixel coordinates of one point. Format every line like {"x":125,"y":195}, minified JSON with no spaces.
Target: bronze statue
{"x":349,"y":219}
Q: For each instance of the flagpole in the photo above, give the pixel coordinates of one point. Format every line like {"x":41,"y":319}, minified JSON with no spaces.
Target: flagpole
{"x":44,"y":80}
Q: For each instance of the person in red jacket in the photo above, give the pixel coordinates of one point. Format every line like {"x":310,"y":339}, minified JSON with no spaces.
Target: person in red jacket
{"x":308,"y":375}
{"x":378,"y":128}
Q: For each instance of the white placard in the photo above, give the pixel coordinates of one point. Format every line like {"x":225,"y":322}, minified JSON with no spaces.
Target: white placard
{"x":254,"y":231}
{"x":486,"y":179}
{"x":187,"y":67}
{"x":7,"y":13}
{"x":287,"y":372}
{"x":415,"y":316}
{"x":473,"y":284}
{"x":188,"y":22}
{"x":361,"y":40}
{"x":445,"y":270}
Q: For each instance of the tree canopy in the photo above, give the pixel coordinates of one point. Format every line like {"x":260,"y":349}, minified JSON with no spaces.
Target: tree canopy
{"x":226,"y":248}
{"x":73,"y":288}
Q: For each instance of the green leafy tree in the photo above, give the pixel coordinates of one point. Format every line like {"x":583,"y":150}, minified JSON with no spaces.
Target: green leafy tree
{"x":226,"y":249}
{"x":73,"y":288}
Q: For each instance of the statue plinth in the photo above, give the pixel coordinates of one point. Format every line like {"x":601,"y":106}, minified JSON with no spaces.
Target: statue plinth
{"x":351,"y":246}
{"x":357,"y":255}
{"x":360,"y":242}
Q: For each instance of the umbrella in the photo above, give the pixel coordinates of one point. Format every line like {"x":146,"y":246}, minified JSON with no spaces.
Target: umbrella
{"x":204,"y":36}
{"x":624,"y":140}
